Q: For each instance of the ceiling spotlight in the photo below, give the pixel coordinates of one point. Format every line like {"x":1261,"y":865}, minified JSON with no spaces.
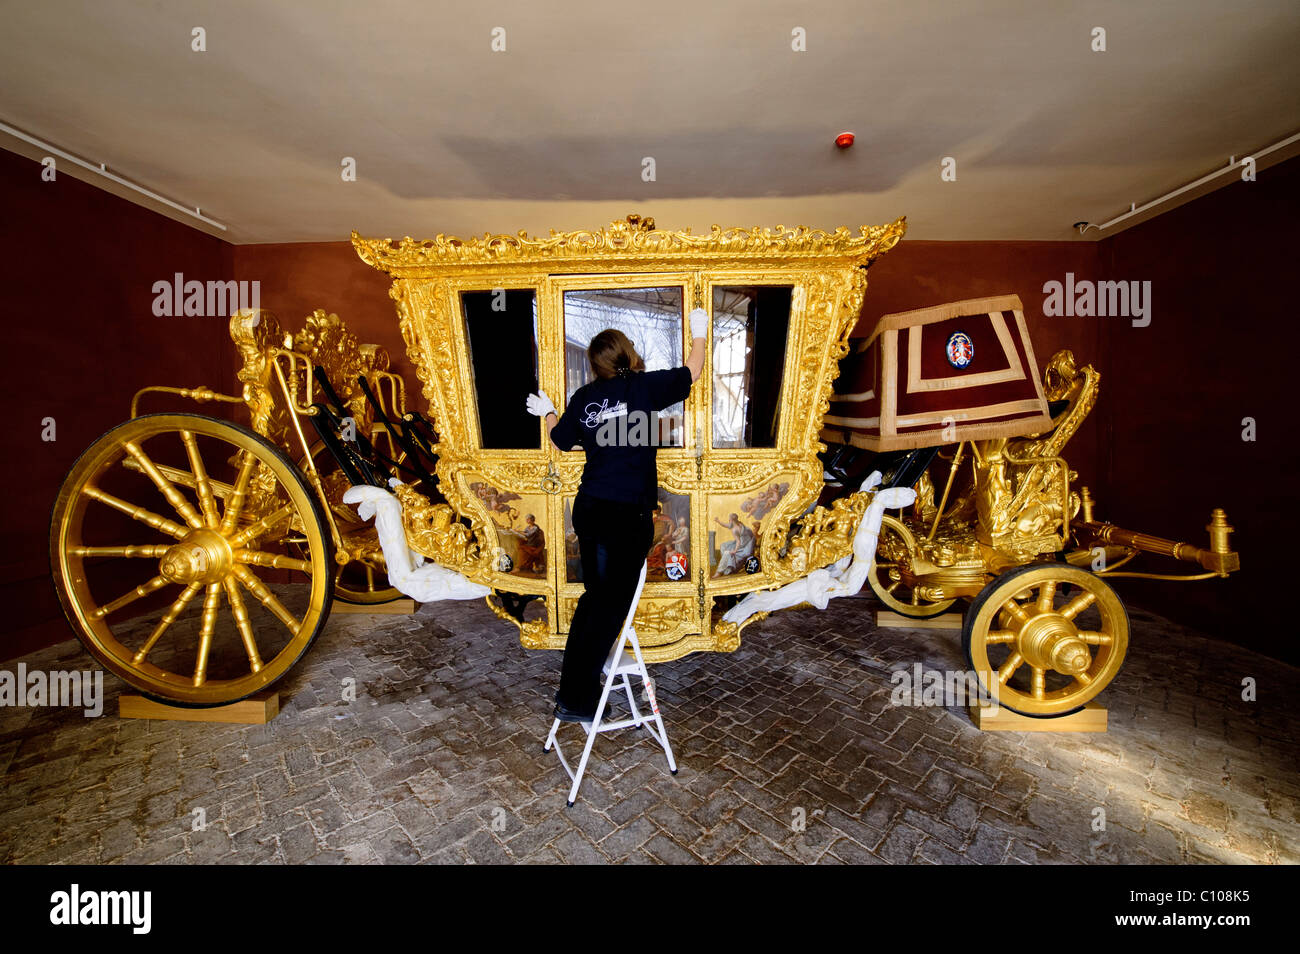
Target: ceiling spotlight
{"x":844,"y":140}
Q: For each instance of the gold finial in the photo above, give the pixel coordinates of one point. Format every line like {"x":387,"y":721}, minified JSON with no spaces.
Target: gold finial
{"x":1219,"y":530}
{"x":1086,"y":502}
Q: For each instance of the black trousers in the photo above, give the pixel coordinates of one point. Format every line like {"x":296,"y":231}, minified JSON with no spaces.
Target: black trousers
{"x":613,"y":541}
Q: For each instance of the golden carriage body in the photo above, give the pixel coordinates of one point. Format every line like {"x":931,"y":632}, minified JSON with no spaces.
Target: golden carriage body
{"x":487,"y":321}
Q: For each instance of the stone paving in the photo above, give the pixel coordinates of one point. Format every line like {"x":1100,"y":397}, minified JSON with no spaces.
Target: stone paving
{"x":440,"y":759}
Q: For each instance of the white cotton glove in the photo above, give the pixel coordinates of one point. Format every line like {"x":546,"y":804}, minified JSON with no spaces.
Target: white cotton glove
{"x":540,"y":404}
{"x":699,"y":323}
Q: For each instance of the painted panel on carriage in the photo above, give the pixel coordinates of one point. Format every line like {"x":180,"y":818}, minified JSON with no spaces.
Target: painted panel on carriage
{"x":669,"y":558}
{"x":518,"y":520}
{"x":736,"y":526}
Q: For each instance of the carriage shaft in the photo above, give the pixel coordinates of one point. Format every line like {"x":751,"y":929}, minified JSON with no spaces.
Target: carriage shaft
{"x":1219,"y":559}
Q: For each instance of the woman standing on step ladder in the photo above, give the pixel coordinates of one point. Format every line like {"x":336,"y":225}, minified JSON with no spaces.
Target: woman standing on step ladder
{"x":613,"y":419}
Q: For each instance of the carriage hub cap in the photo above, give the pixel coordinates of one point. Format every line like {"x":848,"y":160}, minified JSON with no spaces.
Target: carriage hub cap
{"x":1050,"y":641}
{"x":202,"y":557}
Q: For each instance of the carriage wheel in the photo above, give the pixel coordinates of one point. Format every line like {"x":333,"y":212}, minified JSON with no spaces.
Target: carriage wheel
{"x":360,"y":581}
{"x":363,"y":583}
{"x":1046,"y":637}
{"x":886,"y":575}
{"x":169,"y":550}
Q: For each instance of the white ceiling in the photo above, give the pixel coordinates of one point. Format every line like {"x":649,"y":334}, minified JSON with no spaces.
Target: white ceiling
{"x":451,"y":137}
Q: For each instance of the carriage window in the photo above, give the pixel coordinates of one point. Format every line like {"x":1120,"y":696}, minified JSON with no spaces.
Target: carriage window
{"x":652,"y":320}
{"x":501,"y":328}
{"x":748,"y":358}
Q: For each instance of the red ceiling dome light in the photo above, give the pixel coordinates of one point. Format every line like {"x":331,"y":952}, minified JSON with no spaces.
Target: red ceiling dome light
{"x":844,"y":140}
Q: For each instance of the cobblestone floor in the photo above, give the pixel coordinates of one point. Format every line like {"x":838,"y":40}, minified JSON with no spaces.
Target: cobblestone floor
{"x":440,"y":760}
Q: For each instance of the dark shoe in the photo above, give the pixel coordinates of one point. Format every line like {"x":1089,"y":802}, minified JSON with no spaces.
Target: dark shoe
{"x":565,"y":714}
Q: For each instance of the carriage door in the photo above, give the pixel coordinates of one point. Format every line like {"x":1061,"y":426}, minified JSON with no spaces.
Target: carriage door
{"x":651,"y":310}
{"x":499,"y":479}
{"x":755,"y":476}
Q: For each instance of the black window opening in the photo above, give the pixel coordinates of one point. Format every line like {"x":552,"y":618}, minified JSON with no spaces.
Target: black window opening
{"x":501,"y":328}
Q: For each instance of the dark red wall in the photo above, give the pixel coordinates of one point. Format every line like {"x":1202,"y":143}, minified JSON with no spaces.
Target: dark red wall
{"x":299,"y":278}
{"x":1219,"y":348}
{"x":79,"y":339}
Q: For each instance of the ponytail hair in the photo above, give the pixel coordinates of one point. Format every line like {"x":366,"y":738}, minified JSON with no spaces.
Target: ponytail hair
{"x":611,"y":354}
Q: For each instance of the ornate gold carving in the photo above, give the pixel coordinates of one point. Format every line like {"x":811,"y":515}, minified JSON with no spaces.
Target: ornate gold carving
{"x":435,"y":531}
{"x":661,"y":616}
{"x":627,"y":239}
{"x":825,"y":535}
{"x":727,"y":633}
{"x":533,"y":633}
{"x":322,"y":341}
{"x":1022,"y":486}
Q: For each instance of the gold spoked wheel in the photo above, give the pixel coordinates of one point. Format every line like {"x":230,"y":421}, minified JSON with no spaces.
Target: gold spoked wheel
{"x":894,"y":550}
{"x":170,"y":553}
{"x":364,"y":578}
{"x":1046,"y":637}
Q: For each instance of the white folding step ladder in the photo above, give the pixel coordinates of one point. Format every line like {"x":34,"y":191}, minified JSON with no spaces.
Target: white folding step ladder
{"x":619,"y":665}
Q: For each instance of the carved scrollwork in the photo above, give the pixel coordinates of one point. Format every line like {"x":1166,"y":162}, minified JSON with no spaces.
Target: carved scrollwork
{"x":1018,"y":496}
{"x":435,"y":531}
{"x":825,"y":535}
{"x":629,"y":237}
{"x":658,"y":619}
{"x":533,"y":633}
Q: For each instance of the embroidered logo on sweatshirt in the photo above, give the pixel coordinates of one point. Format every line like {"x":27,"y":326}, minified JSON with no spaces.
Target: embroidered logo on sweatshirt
{"x":595,"y":413}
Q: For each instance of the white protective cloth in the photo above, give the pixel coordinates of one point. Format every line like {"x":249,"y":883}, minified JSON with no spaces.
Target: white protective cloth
{"x":842,"y":578}
{"x":423,"y":582}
